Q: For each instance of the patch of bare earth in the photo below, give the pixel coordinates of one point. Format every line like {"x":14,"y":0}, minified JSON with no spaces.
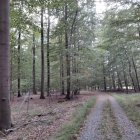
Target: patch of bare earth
{"x":40,"y":119}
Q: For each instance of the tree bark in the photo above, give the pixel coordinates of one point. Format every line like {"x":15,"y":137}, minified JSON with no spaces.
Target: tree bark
{"x":33,"y":72}
{"x":5,"y":113}
{"x":120,"y":87}
{"x":125,"y":78}
{"x":136,"y":73}
{"x":104,"y":74}
{"x":130,"y":71}
{"x":42,"y":56}
{"x":67,"y":54}
{"x":48,"y":54}
{"x":11,"y":74}
{"x":113,"y":81}
{"x":62,"y":70}
{"x":19,"y":69}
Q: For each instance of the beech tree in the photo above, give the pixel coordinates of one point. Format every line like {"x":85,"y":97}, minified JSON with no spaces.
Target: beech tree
{"x":5,"y":116}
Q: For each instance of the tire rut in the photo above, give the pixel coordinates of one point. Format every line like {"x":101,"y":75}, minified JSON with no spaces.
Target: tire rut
{"x":93,"y":126}
{"x":91,"y":130}
{"x":127,"y":129}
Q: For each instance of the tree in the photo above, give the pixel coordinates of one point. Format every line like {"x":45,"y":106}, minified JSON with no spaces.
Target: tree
{"x":19,"y":63}
{"x":5,"y":116}
{"x":42,"y":55}
{"x":48,"y":52}
{"x":67,"y":53}
{"x":34,"y":72}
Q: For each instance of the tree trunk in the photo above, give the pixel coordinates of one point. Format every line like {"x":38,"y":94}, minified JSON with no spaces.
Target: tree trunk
{"x":62,"y":73}
{"x":5,"y":113}
{"x":125,"y":78}
{"x":67,"y":54}
{"x":130,"y":71}
{"x":113,"y":81}
{"x":42,"y":56}
{"x":19,"y":69}
{"x":34,"y":74}
{"x":120,"y":87}
{"x":11,"y":74}
{"x":48,"y":54}
{"x":104,"y":74}
{"x":136,"y":73}
{"x":133,"y":83}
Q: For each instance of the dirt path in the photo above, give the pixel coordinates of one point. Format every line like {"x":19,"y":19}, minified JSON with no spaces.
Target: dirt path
{"x":108,"y":121}
{"x":91,"y":131}
{"x":124,"y":124}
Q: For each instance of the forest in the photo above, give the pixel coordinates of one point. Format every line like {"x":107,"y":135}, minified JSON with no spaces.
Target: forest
{"x":69,"y":69}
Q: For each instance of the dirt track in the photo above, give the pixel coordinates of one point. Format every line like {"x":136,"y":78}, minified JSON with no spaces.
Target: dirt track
{"x":95,"y":122}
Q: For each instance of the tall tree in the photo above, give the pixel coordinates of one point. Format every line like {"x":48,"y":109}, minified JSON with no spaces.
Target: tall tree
{"x":42,"y":54}
{"x":19,"y":61}
{"x":48,"y":52}
{"x":5,"y":115}
{"x":34,"y":74}
{"x":67,"y":53}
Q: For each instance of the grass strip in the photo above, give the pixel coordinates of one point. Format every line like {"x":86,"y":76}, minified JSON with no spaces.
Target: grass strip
{"x":130,"y":104}
{"x":71,"y":129}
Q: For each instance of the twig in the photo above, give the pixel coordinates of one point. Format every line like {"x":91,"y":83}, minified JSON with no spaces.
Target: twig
{"x":23,"y":125}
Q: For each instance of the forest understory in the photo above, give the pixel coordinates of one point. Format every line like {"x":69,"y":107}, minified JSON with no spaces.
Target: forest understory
{"x":77,"y":61}
{"x":40,"y":119}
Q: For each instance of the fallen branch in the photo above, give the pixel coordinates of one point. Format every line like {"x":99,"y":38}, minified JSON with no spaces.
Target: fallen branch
{"x":23,"y":125}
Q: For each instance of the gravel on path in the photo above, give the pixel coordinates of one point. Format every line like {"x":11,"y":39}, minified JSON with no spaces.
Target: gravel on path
{"x":91,"y":130}
{"x":128,"y":130}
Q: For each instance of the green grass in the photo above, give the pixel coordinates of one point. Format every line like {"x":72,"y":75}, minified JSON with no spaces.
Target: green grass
{"x":70,"y":130}
{"x":130,"y":104}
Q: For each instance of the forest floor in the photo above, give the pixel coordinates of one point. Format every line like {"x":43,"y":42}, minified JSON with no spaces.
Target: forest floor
{"x":36,"y":119}
{"x":113,"y":117}
{"x":108,"y":121}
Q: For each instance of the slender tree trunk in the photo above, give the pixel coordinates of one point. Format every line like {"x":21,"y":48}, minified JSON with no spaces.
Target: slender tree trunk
{"x":133,"y":83}
{"x":110,"y":81}
{"x":42,"y":56}
{"x":5,"y":113}
{"x":130,"y":71}
{"x":104,"y":74}
{"x":67,"y":54}
{"x":19,"y":65}
{"x":125,"y":78}
{"x":78,"y":71}
{"x":113,"y":81}
{"x":120,"y":87}
{"x":34,"y":74}
{"x":62,"y":73}
{"x":48,"y":54}
{"x":136,"y":73}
